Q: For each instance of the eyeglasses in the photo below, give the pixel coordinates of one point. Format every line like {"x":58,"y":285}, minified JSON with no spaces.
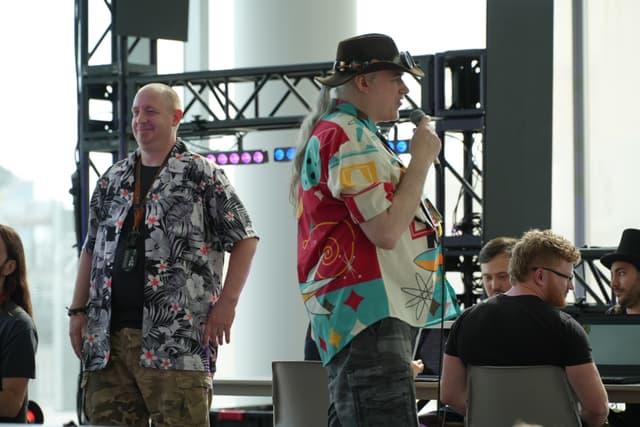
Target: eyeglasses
{"x":557,"y":273}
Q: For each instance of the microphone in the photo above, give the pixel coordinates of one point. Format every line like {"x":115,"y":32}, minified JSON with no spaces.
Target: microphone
{"x":415,"y":117}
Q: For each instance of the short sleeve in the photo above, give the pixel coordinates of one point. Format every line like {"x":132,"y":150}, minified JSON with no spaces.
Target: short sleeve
{"x":451,"y":347}
{"x":579,"y":351}
{"x":230,"y":219}
{"x":363,"y":175}
{"x":94,"y":219}
{"x":18,"y":355}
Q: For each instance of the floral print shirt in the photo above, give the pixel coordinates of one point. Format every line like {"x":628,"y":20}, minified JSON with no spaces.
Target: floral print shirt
{"x":192,"y":215}
{"x":347,"y":283}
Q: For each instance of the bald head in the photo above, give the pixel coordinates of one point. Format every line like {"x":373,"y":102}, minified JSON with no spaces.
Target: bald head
{"x":168,"y":95}
{"x":156,"y":114}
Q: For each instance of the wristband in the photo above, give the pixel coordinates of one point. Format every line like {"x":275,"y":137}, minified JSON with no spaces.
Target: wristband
{"x":77,"y":310}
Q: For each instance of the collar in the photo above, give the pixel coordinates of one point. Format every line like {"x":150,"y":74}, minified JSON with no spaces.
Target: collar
{"x":178,"y":148}
{"x":348,"y":108}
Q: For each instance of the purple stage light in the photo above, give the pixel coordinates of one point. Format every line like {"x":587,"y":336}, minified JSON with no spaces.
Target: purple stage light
{"x":245,"y":157}
{"x":239,"y":157}
{"x":223,"y":159}
{"x":258,"y":157}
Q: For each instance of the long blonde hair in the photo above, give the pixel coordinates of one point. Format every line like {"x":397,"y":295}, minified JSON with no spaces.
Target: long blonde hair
{"x":324,"y":104}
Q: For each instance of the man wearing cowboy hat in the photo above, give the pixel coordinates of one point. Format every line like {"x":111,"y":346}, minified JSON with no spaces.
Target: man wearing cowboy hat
{"x":624,"y":264}
{"x":368,"y":249}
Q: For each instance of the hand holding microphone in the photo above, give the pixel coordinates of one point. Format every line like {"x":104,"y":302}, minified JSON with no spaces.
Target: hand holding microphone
{"x":425,"y":142}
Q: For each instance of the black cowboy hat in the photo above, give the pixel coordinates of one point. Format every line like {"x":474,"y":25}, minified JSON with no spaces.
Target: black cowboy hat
{"x":628,"y":250}
{"x":365,"y":54}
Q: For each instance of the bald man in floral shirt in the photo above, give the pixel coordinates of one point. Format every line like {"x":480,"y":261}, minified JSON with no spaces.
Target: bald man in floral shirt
{"x":149,"y":308}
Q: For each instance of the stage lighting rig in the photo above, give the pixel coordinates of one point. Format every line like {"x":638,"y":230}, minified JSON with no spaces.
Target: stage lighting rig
{"x":284,"y":154}
{"x":400,"y":146}
{"x":245,"y":157}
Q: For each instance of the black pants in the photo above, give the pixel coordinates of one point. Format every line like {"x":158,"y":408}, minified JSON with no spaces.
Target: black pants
{"x":310,"y":348}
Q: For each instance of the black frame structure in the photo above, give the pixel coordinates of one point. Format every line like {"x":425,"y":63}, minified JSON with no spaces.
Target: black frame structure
{"x":231,"y":102}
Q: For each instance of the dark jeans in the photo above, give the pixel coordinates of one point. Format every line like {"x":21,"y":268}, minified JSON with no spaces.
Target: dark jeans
{"x":310,"y":347}
{"x":371,"y":382}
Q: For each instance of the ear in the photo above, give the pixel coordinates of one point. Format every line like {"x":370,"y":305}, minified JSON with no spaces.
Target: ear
{"x":8,"y":268}
{"x":361,"y":82}
{"x":537,"y":277}
{"x":177,"y":116}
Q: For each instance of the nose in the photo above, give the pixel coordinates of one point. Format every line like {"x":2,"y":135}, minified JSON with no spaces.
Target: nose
{"x":404,"y":89}
{"x":501,"y":284}
{"x":614,"y":282}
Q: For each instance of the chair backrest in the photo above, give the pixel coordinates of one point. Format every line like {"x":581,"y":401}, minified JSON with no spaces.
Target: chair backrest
{"x":500,"y":396}
{"x":300,"y":394}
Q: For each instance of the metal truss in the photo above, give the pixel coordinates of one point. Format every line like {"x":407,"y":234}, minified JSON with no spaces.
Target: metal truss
{"x":238,"y":101}
{"x":225,"y":102}
{"x":461,"y":248}
{"x":590,"y":266}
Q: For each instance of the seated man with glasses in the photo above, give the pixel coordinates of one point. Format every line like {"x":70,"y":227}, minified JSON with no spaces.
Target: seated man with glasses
{"x":524,"y":326}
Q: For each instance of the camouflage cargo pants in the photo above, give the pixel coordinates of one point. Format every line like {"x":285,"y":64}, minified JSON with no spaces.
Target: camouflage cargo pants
{"x":126,"y":394}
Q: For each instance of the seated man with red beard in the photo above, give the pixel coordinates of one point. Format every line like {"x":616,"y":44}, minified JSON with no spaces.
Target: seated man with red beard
{"x":524,"y":327}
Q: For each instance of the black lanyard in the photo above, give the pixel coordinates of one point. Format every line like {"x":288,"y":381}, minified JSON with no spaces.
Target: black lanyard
{"x":139,"y":202}
{"x":130,"y":256}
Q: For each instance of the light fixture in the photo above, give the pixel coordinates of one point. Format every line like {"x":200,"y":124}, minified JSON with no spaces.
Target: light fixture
{"x":284,"y":154}
{"x":400,"y":146}
{"x":246,"y":157}
{"x":34,"y":413}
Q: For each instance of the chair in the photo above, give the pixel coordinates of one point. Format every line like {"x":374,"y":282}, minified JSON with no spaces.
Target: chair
{"x":300,"y":394}
{"x":500,"y":396}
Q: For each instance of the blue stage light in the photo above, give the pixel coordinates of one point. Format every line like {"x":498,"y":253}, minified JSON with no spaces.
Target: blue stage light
{"x":284,"y":154}
{"x":402,"y":146}
{"x":278,"y":154}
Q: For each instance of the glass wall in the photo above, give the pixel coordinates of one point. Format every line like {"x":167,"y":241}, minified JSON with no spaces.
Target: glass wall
{"x":611,"y":97}
{"x":36,"y":163}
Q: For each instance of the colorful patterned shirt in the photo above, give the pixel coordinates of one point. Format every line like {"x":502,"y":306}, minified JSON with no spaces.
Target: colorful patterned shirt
{"x":192,"y":215}
{"x":347,"y":283}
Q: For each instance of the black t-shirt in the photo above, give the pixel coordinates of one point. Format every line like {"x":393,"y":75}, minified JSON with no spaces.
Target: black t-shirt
{"x":127,"y":287}
{"x":518,"y":330}
{"x":18,"y":344}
